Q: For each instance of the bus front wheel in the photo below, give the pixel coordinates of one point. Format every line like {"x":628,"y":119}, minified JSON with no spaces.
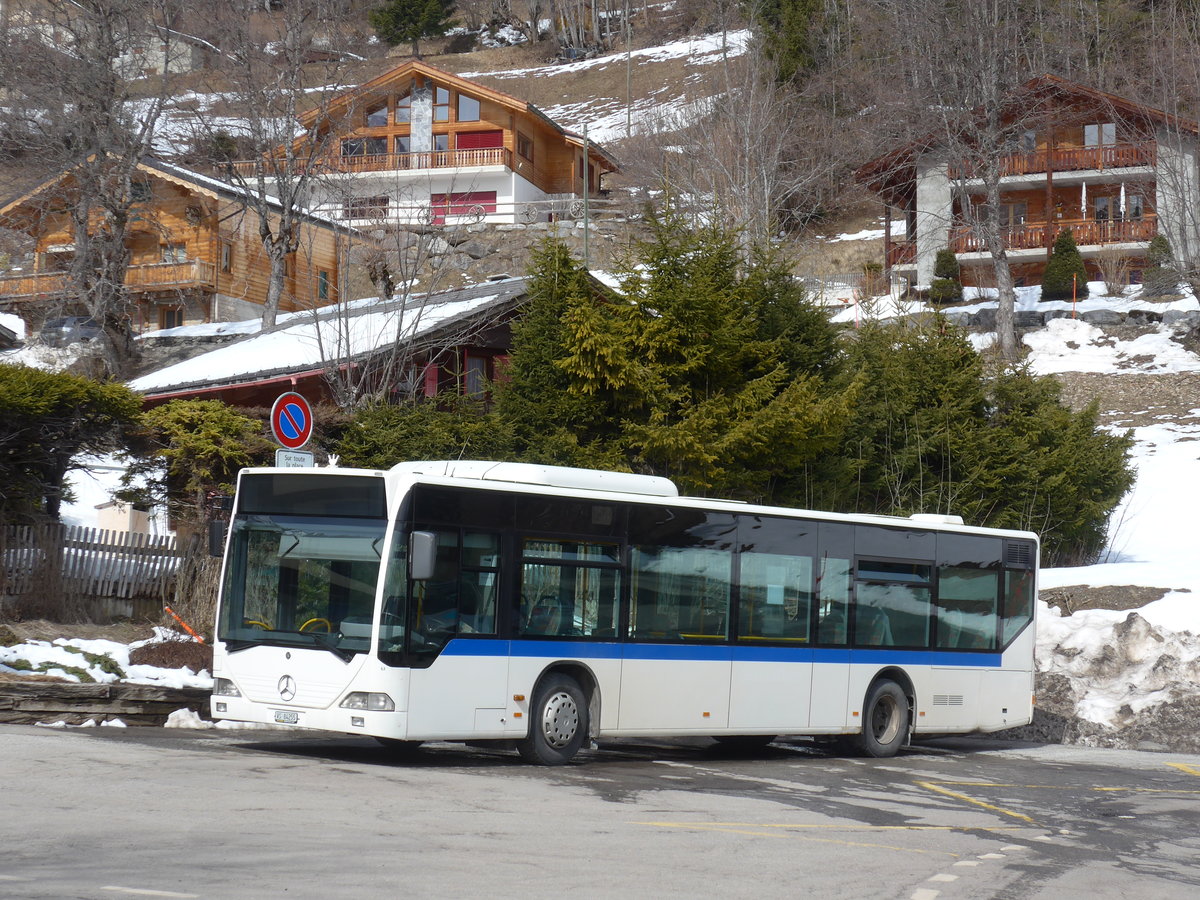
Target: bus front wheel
{"x":558,"y":722}
{"x":885,"y":720}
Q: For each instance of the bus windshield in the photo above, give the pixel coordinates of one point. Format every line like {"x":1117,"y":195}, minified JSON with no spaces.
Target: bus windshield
{"x":301,"y":581}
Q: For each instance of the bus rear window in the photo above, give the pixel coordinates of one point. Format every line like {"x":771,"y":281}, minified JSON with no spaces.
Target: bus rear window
{"x":309,"y":494}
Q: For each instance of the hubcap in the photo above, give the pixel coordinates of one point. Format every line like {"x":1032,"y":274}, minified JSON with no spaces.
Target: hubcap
{"x":885,"y":720}
{"x":560,"y":719}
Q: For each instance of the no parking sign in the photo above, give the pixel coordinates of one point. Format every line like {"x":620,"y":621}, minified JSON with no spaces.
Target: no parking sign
{"x":291,"y":421}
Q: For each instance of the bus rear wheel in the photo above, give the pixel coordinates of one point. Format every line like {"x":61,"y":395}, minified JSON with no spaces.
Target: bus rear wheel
{"x":885,"y":720}
{"x":558,"y":722}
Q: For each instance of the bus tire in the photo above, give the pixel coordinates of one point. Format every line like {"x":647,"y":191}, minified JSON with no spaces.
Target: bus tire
{"x":558,"y":722}
{"x":885,"y":720}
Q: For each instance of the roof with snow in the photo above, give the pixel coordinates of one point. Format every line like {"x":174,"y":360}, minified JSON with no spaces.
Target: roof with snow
{"x":307,"y":342}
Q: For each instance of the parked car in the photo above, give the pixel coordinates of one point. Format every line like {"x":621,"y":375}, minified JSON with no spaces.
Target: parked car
{"x":69,"y":329}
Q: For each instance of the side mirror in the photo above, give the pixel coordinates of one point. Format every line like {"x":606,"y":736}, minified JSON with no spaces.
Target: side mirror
{"x":422,"y":555}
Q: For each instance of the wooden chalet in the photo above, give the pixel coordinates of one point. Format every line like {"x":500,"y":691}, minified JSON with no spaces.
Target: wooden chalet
{"x":1114,"y":172}
{"x":417,"y":145}
{"x":194,"y":249}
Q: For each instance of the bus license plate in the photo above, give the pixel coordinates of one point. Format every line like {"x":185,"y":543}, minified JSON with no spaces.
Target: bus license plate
{"x":286,"y":716}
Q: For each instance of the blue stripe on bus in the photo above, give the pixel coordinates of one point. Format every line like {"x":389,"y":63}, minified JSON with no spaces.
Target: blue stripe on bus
{"x":718,"y":653}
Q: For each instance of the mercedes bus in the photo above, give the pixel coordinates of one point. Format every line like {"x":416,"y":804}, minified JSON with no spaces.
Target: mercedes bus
{"x":545,"y":608}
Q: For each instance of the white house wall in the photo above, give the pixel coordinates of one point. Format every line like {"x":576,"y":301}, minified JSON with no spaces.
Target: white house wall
{"x":409,"y":194}
{"x":935,"y":206}
{"x":1178,"y":194}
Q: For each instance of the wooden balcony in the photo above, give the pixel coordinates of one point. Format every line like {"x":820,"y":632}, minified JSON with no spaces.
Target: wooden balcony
{"x":192,"y":273}
{"x":399,"y":162}
{"x":1073,"y":159}
{"x":1034,"y":236}
{"x":902,"y":253}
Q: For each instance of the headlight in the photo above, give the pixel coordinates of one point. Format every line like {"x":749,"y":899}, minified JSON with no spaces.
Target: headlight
{"x":363,"y":700}
{"x":225,"y":688}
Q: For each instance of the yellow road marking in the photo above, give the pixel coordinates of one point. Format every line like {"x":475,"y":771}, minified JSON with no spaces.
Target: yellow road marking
{"x":930,"y":786}
{"x":1185,"y":767}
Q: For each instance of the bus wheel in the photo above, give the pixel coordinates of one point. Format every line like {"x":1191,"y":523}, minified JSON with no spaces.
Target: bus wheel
{"x":885,"y":720}
{"x":558,"y":722}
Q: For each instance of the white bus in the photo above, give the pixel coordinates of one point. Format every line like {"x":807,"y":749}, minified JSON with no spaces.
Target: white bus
{"x":547,"y":607}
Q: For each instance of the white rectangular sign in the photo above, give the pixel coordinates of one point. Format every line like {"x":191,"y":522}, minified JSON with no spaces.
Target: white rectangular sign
{"x":293,"y":459}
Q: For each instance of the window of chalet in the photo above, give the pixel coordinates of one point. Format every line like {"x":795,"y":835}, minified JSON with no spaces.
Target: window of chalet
{"x":468,"y":109}
{"x":1029,"y":141}
{"x":377,"y":116}
{"x":322,"y":285}
{"x":1103,"y":208}
{"x":1135,"y":207}
{"x":174,"y":253}
{"x":525,"y":146}
{"x":1012,"y":215}
{"x":441,"y":105}
{"x":1100,"y":134}
{"x":475,"y":377}
{"x":226,"y":256}
{"x":441,"y":142}
{"x":366,"y":207}
{"x":170,"y":317}
{"x":404,"y":109}
{"x":403,"y":144}
{"x":364,"y":146}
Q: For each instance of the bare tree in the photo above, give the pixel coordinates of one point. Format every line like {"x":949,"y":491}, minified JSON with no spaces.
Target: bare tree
{"x":1173,"y":85}
{"x":284,"y":71}
{"x":758,"y":152}
{"x":69,"y":68}
{"x":956,"y":70}
{"x":407,"y":262}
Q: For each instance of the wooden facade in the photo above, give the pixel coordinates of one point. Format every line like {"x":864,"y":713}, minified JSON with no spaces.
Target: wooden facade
{"x":1079,"y":159}
{"x":195,"y":254}
{"x":397,"y":141}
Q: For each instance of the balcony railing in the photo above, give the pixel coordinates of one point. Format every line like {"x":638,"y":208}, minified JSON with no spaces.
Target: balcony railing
{"x":192,"y":273}
{"x":393,"y":162}
{"x":902,"y":253}
{"x":1070,"y":159}
{"x":1034,"y":236}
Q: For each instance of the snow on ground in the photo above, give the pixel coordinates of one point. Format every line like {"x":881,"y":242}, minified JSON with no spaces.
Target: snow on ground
{"x":99,"y":659}
{"x":13,"y":323}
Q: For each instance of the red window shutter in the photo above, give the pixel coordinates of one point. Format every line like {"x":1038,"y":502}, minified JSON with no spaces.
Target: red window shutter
{"x":479,"y":140}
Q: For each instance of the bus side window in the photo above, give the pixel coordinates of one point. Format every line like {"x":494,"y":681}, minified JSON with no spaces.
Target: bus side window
{"x":833,"y":599}
{"x":966,"y":608}
{"x":1018,"y":602}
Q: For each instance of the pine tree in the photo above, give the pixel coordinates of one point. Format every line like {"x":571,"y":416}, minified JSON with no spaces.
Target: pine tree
{"x":702,"y":370}
{"x":1065,"y":262}
{"x":398,"y":21}
{"x":48,"y":420}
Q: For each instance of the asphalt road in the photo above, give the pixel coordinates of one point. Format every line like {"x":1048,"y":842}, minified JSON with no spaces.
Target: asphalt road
{"x":111,"y":813}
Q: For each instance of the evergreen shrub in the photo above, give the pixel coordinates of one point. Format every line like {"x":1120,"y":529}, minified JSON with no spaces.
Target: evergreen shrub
{"x":1065,"y":261}
{"x":1160,"y":278}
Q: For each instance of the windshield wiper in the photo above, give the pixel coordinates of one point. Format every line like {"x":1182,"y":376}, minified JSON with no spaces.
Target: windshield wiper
{"x":329,"y":642}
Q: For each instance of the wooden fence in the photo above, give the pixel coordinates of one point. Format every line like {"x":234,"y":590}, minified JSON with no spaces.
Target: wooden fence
{"x":58,"y":570}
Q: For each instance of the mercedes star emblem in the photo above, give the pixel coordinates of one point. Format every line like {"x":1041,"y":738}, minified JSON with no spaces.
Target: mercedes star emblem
{"x":287,"y":687}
